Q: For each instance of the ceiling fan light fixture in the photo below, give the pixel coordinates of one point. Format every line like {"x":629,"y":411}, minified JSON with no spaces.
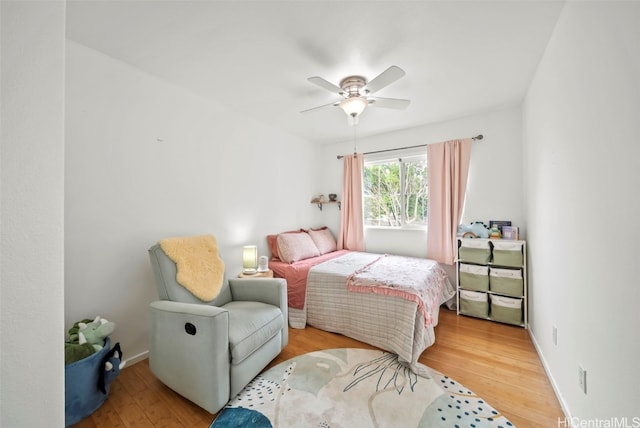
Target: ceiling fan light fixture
{"x":354,"y":91}
{"x":353,"y":106}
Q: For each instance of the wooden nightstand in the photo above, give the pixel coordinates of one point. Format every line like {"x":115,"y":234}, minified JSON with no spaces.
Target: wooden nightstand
{"x":267,"y":274}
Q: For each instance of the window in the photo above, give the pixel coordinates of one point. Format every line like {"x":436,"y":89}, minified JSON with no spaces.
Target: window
{"x":395,"y":192}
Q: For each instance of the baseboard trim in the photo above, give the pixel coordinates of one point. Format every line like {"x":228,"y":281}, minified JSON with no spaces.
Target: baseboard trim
{"x":554,"y":385}
{"x":136,"y":359}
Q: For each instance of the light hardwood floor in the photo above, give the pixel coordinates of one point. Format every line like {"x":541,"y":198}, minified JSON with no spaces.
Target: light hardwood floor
{"x":496,"y":361}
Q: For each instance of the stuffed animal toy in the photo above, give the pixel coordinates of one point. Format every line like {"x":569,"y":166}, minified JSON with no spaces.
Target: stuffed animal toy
{"x":75,"y":352}
{"x":476,"y":229}
{"x":494,"y":232}
{"x":73,"y":331}
{"x":86,"y":337}
{"x":94,"y":332}
{"x":113,"y":363}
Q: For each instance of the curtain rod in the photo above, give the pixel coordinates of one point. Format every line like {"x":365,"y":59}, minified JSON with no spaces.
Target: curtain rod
{"x":477,"y":137}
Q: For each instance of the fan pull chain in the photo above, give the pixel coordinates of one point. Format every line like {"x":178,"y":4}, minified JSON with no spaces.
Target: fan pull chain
{"x":355,"y":151}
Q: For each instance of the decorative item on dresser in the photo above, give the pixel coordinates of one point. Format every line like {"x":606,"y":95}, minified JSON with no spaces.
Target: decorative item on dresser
{"x":492,"y":280}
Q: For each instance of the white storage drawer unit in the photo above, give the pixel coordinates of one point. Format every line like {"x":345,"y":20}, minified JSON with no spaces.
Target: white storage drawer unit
{"x":492,"y":279}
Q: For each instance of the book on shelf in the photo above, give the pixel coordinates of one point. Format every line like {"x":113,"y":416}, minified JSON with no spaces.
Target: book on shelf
{"x":510,"y":232}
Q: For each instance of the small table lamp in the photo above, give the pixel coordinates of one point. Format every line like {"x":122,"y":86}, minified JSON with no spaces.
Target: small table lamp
{"x":249,"y":259}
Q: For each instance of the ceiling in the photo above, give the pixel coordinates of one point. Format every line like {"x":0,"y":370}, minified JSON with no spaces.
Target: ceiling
{"x":460,"y":57}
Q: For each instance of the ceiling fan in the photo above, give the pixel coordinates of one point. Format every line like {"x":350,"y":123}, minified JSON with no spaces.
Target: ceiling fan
{"x":357,"y":93}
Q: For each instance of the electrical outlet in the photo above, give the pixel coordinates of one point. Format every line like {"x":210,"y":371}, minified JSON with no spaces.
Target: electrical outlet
{"x":555,"y":335}
{"x":582,"y":379}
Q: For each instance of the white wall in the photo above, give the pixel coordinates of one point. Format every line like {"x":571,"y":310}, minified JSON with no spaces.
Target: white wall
{"x":494,"y":190}
{"x":31,"y":208}
{"x":125,"y":189}
{"x":582,"y":169}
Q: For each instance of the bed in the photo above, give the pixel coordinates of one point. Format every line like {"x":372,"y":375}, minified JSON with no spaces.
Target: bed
{"x":391,"y":302}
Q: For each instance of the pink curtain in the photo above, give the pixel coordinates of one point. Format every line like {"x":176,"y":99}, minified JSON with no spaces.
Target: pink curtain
{"x":351,"y":235}
{"x":448,"y":164}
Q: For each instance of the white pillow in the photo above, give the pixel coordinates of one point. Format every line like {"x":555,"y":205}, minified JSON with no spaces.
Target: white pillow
{"x":293,"y":247}
{"x":324,"y":240}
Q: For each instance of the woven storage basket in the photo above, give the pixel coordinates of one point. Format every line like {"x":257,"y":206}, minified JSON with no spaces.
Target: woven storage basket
{"x":474,"y":303}
{"x":506,"y":309}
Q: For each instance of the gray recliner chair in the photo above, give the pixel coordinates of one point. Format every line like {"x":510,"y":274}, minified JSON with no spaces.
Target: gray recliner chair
{"x":208,"y":351}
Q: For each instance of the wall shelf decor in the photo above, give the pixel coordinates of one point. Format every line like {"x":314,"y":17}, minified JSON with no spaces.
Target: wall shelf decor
{"x":320,"y":204}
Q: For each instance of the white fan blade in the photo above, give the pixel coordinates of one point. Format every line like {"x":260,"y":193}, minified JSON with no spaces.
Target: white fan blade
{"x":395,"y":103}
{"x":335,"y":104}
{"x":324,"y":84}
{"x":385,"y":78}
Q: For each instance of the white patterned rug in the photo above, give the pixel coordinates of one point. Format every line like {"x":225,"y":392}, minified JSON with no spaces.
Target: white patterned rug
{"x":347,"y":388}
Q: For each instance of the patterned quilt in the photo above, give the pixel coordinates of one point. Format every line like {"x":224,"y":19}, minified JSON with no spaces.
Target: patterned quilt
{"x":393,"y":302}
{"x":410,"y":278}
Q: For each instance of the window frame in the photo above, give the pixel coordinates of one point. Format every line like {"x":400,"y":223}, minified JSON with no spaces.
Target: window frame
{"x":403,"y":160}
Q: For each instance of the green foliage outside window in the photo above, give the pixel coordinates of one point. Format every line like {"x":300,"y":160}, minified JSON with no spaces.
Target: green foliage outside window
{"x":396,"y":193}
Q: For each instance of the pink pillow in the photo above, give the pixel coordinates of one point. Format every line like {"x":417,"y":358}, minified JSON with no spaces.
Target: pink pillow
{"x":273,"y":243}
{"x":324,"y":240}
{"x":273,"y":246}
{"x":296,"y":246}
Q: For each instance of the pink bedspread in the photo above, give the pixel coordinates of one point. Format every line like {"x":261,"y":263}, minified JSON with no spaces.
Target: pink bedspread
{"x":418,"y":280}
{"x":296,"y":275}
